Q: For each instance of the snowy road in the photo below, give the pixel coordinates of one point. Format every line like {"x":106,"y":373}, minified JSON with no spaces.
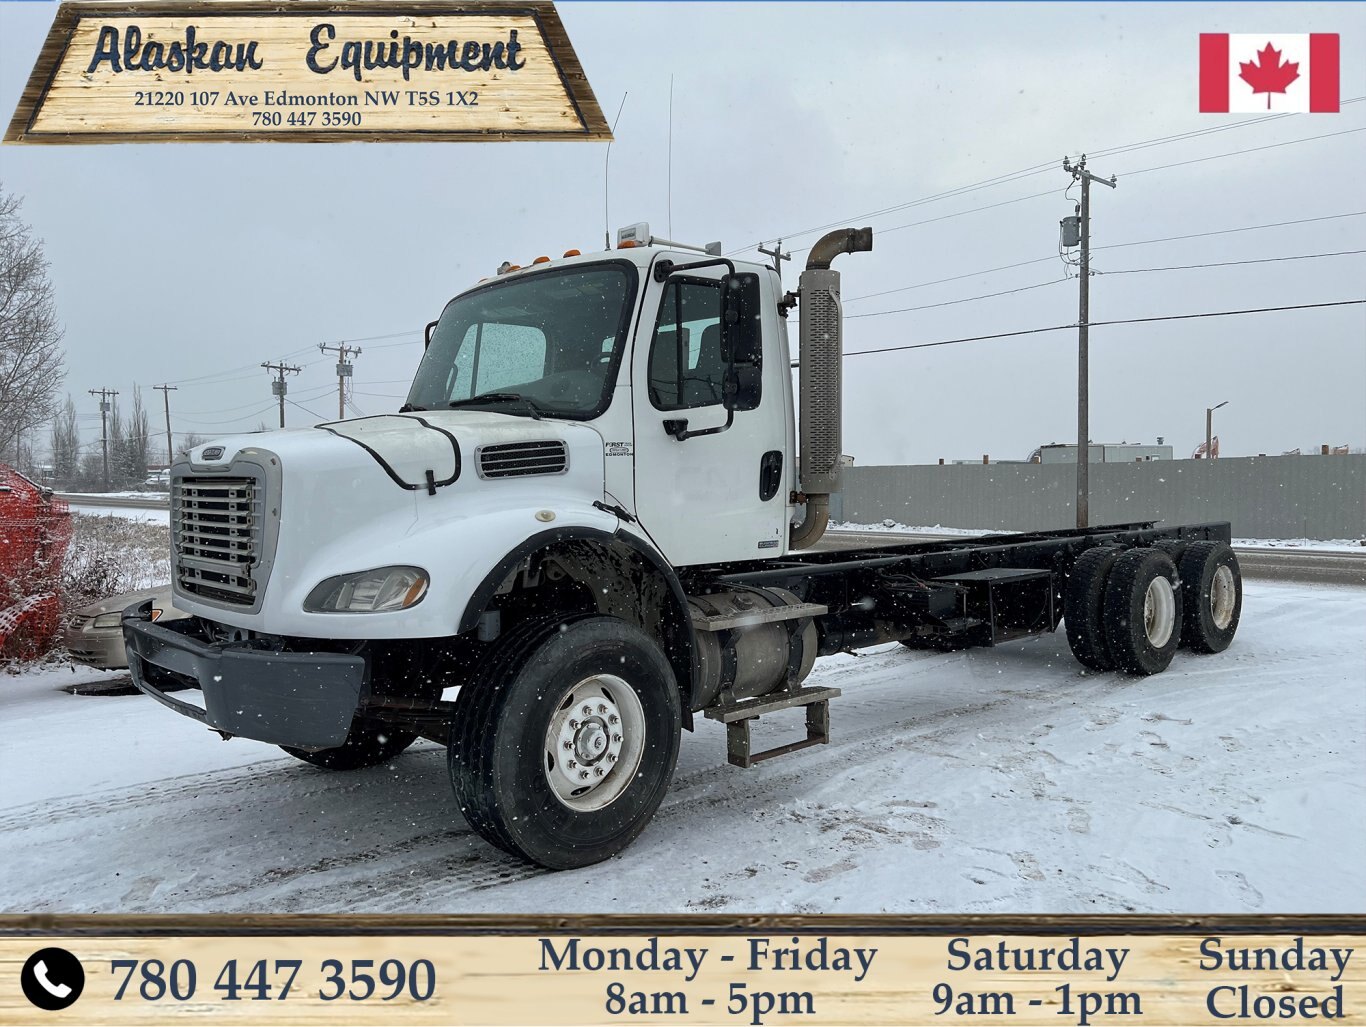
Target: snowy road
{"x":986,"y":781}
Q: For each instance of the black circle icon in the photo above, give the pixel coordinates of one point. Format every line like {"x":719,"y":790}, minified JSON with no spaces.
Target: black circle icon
{"x":52,"y":979}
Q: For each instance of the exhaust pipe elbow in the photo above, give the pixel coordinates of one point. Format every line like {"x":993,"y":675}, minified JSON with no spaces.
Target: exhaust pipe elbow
{"x":813,"y":524}
{"x":832,"y":244}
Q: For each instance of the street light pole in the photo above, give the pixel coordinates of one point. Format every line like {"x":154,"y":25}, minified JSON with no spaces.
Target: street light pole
{"x":1209,"y":429}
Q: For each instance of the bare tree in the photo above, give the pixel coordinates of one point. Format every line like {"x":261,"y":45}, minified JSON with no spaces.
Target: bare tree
{"x":31,"y":368}
{"x":188,"y":443}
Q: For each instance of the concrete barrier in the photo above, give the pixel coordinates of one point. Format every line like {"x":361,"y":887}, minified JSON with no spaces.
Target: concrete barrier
{"x":1264,"y":497}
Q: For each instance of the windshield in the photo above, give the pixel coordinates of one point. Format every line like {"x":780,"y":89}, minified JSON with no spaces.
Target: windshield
{"x":544,"y":344}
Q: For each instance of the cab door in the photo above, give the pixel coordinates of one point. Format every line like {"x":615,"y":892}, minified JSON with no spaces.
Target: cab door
{"x":715,"y":497}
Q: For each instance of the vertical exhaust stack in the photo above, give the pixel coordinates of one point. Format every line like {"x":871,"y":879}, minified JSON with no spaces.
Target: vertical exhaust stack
{"x":822,"y":352}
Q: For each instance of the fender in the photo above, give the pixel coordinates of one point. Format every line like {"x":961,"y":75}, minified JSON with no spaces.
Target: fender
{"x":679,"y":649}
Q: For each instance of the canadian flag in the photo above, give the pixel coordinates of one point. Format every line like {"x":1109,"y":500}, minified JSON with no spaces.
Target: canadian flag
{"x":1244,"y":73}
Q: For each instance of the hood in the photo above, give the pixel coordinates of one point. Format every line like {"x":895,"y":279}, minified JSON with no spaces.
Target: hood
{"x":161,"y":596}
{"x":405,"y":447}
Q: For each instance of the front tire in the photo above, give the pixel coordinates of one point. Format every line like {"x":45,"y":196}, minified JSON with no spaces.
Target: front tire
{"x":567,"y":740}
{"x":368,"y":744}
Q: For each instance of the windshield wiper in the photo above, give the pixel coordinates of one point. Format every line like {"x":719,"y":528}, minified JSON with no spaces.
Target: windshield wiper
{"x":409,"y":408}
{"x":500,"y":397}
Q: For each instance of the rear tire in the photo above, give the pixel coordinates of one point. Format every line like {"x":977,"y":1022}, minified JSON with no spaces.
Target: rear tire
{"x":1083,"y":609}
{"x":368,"y":744}
{"x":1143,"y":611}
{"x":1212,"y":593}
{"x":534,"y":774}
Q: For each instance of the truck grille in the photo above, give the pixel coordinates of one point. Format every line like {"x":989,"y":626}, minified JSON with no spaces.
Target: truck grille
{"x":216,"y":532}
{"x":517,"y":459}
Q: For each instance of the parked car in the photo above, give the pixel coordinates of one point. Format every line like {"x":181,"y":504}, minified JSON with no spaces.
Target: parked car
{"x":93,"y":635}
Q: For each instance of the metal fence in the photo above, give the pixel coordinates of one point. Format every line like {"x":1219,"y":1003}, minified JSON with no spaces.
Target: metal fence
{"x":1264,"y":497}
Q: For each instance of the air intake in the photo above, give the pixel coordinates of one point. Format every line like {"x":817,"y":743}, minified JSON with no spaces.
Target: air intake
{"x":822,"y":348}
{"x":520,"y":459}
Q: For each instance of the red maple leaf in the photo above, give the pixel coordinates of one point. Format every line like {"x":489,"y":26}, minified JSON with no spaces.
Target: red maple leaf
{"x":1267,"y":74}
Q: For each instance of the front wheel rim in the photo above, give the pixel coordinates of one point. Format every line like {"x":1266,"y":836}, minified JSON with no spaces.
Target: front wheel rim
{"x":594,"y":743}
{"x":1223,"y":596}
{"x":1159,"y":611}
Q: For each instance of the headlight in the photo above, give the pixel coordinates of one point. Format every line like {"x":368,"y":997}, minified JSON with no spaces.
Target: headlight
{"x":115,"y":619}
{"x":384,"y":588}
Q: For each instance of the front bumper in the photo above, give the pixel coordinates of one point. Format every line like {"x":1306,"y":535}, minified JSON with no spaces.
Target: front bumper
{"x":300,"y":699}
{"x":99,"y":648}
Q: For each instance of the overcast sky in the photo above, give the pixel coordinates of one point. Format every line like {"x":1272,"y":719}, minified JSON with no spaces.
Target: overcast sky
{"x":175,"y":262}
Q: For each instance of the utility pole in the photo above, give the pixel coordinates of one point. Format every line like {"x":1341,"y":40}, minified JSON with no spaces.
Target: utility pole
{"x":778,"y":257}
{"x":166,"y":391}
{"x":343,"y":373}
{"x":104,"y":395}
{"x":1080,"y":174}
{"x":279,"y":387}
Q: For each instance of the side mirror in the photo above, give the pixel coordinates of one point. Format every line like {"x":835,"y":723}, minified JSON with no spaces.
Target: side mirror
{"x":427,"y":335}
{"x":741,"y":339}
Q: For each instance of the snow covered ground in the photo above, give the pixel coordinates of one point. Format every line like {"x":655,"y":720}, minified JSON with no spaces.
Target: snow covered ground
{"x":127,"y":513}
{"x":1001,"y":780}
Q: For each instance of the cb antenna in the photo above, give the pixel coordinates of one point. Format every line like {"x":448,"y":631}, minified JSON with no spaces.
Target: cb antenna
{"x":671,"y":158}
{"x":607,"y":162}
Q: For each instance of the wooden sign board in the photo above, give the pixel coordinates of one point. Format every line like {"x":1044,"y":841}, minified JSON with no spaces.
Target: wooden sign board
{"x":307,"y":71}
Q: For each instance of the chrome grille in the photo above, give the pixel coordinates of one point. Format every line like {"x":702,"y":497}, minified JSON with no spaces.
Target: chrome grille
{"x":517,"y":459}
{"x":217,"y":537}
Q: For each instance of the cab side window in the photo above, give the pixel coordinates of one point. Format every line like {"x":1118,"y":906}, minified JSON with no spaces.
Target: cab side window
{"x":687,"y":365}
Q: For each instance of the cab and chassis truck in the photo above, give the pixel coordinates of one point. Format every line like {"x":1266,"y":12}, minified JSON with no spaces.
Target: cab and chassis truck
{"x":591,"y":522}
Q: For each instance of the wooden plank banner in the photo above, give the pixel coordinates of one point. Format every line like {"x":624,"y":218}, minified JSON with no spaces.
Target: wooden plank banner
{"x":307,"y":71}
{"x":460,"y":970}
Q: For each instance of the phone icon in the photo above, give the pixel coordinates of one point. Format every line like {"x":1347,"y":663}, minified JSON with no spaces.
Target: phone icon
{"x":55,"y":990}
{"x":52,"y":978}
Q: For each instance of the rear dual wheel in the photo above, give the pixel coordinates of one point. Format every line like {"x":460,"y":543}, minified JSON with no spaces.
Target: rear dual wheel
{"x":1212,"y":590}
{"x":1142,"y":611}
{"x":1130,"y":609}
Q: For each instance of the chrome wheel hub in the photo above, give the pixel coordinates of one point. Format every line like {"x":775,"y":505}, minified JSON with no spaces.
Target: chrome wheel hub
{"x":1223,"y":596}
{"x":1159,"y":611}
{"x":594,"y":742}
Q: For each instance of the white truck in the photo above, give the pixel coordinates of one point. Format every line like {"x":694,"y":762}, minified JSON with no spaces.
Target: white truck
{"x":592,"y":519}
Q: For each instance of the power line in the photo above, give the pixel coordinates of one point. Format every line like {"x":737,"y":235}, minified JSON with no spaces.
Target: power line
{"x":1233,"y":263}
{"x":1251,"y":149}
{"x":1094,"y":324}
{"x":1111,"y":246}
{"x":1126,"y":271}
{"x":944,"y":281}
{"x":304,"y":409}
{"x":230,"y":420}
{"x":1231,"y":231}
{"x":966,"y":299}
{"x":1141,"y":171}
{"x":1040,"y":168}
